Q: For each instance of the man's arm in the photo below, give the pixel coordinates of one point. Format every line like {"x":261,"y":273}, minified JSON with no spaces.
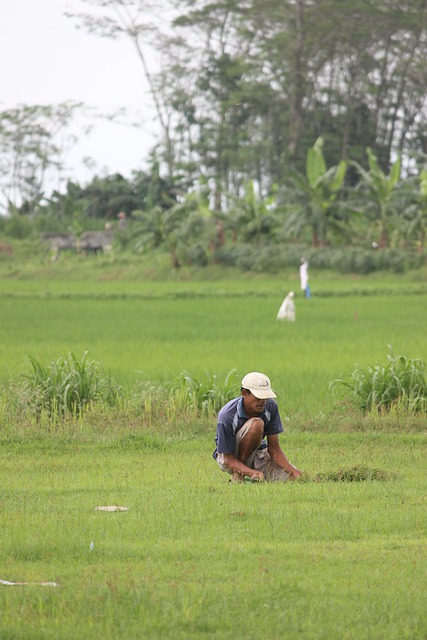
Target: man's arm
{"x":236,"y":466}
{"x":279,"y":457}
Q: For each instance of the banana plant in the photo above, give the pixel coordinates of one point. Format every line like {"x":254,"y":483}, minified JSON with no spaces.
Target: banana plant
{"x":318,"y":191}
{"x":177,"y":228}
{"x":416,"y":213}
{"x":381,"y":190}
{"x":252,"y":214}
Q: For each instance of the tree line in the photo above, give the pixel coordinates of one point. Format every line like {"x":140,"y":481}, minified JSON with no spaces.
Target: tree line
{"x":315,"y":208}
{"x":280,"y":121}
{"x":242,"y":88}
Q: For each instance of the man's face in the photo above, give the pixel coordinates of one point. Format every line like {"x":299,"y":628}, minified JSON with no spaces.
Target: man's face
{"x":253,"y":406}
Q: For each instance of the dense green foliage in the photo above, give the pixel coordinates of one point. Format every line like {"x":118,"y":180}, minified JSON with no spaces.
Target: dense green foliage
{"x":68,"y":385}
{"x":242,"y":88}
{"x":399,"y":384}
{"x":261,"y":235}
{"x":208,"y":394}
{"x":275,"y":128}
{"x":74,"y":386}
{"x":256,"y":233}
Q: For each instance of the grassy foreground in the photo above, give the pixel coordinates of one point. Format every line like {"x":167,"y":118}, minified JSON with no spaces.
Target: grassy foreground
{"x":196,"y":556}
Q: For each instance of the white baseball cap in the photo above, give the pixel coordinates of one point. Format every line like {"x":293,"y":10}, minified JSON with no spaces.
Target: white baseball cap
{"x":258,"y":384}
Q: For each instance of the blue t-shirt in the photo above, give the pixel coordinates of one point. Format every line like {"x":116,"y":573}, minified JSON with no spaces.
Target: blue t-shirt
{"x":232,"y":417}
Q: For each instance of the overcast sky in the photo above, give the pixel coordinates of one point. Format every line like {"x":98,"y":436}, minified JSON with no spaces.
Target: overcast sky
{"x":44,"y":59}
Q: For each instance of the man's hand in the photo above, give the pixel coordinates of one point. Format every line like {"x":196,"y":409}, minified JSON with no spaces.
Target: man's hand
{"x":294,"y":473}
{"x":256,"y":475}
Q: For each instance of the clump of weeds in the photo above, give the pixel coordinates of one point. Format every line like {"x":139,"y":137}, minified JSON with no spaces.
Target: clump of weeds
{"x":356,"y":473}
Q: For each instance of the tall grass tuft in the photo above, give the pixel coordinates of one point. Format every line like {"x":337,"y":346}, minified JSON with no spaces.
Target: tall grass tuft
{"x":400,"y":384}
{"x":208,"y":395}
{"x":68,"y":385}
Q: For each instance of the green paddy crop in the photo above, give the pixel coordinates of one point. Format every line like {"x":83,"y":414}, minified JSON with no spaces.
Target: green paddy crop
{"x":338,"y":555}
{"x":157,"y":333}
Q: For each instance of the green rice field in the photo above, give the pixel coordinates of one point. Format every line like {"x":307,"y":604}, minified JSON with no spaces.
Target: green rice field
{"x":328,"y":557}
{"x":157,"y":331}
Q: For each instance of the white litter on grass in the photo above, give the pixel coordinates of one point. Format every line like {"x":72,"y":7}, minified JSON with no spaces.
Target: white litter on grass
{"x":6,"y":583}
{"x":112,"y":508}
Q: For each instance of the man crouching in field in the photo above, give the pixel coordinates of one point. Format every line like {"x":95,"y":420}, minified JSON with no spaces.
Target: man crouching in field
{"x":243,"y":423}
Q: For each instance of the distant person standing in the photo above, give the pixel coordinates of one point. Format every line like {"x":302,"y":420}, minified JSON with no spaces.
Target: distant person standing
{"x":303,"y":274}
